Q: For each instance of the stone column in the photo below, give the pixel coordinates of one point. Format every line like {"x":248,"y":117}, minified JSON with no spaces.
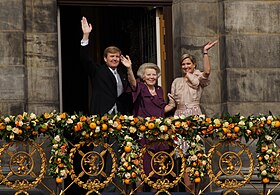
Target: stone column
{"x":29,"y":63}
{"x":12,"y":74}
{"x":41,"y":55}
{"x":252,"y":55}
{"x":194,"y":24}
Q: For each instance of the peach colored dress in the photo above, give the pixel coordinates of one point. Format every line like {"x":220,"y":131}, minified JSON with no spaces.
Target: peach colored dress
{"x":186,"y":93}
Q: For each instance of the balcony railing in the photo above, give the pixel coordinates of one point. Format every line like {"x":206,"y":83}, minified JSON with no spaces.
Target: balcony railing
{"x":95,"y":152}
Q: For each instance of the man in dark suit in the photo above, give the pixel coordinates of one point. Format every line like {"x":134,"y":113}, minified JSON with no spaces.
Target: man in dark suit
{"x":109,"y":88}
{"x":109,"y":85}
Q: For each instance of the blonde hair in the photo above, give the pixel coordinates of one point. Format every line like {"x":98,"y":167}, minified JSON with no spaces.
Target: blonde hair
{"x":143,"y":67}
{"x":111,"y":49}
{"x":185,"y":56}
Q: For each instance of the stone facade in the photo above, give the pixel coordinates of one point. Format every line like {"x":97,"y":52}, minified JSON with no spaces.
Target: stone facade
{"x":245,"y":66}
{"x":28,"y":56}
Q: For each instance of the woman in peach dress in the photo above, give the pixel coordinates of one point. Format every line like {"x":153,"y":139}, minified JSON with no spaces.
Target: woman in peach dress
{"x":186,"y":91}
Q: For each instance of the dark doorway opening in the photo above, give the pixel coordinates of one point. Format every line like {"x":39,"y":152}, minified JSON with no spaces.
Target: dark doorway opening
{"x":132,"y":29}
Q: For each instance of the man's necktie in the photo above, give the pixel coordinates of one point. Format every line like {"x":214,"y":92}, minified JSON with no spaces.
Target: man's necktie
{"x":119,"y":83}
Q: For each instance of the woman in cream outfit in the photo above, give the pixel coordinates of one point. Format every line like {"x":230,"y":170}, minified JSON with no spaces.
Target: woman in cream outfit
{"x":186,"y":91}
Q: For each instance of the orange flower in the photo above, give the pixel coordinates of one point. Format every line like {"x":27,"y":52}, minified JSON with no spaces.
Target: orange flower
{"x":58,"y":180}
{"x":92,"y":125}
{"x":83,"y":118}
{"x":127,"y":149}
{"x":265,"y":180}
{"x":142,"y":128}
{"x":63,"y":115}
{"x":104,"y":127}
{"x":151,"y":126}
{"x":126,"y":181}
{"x":197,"y":180}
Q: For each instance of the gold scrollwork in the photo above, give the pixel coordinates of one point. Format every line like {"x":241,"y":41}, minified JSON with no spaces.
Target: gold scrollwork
{"x":230,"y":163}
{"x":92,"y":165}
{"x":162,"y":164}
{"x":230,"y":174}
{"x":21,"y":164}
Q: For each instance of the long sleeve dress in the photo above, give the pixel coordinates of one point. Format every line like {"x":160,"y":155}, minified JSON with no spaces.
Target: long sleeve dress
{"x":147,"y":105}
{"x":186,"y":94}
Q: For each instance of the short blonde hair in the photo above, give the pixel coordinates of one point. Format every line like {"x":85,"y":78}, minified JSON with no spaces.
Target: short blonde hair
{"x":143,"y":67}
{"x":111,"y":49}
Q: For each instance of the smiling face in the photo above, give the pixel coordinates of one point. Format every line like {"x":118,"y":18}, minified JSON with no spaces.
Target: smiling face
{"x":112,"y":60}
{"x":150,"y":76}
{"x":187,"y":66}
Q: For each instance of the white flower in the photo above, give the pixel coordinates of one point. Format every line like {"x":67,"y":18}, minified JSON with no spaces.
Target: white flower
{"x":270,"y":118}
{"x":217,"y":121}
{"x":97,"y":129}
{"x":263,"y":173}
{"x":12,"y":136}
{"x":263,"y":119}
{"x":267,"y":137}
{"x":132,"y":129}
{"x":69,"y":121}
{"x":251,"y":124}
{"x":9,"y":128}
{"x":193,"y":158}
{"x":241,"y":117}
{"x":202,"y":116}
{"x":162,"y":128}
{"x":57,"y":138}
{"x":176,"y":117}
{"x":129,"y":143}
{"x":127,"y":175}
{"x":15,"y":130}
{"x":55,"y":146}
{"x":168,"y":121}
{"x":58,"y":118}
{"x":225,"y":124}
{"x":158,"y":120}
{"x":204,"y":162}
{"x":7,"y":120}
{"x":84,"y":133}
{"x":130,"y":117}
{"x":193,"y":144}
{"x":110,"y":122}
{"x":198,"y":138}
{"x":127,"y":138}
{"x":73,"y":117}
{"x":242,"y":123}
{"x":33,"y":116}
{"x":63,"y":173}
{"x":115,"y":124}
{"x":266,"y":157}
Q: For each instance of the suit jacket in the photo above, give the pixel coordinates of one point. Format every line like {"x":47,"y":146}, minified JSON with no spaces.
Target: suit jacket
{"x":104,"y":87}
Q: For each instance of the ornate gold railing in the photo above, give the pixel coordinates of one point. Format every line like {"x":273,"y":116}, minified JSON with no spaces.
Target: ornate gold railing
{"x":222,"y":153}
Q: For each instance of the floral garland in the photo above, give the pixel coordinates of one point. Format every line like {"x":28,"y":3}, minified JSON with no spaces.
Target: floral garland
{"x":65,"y":129}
